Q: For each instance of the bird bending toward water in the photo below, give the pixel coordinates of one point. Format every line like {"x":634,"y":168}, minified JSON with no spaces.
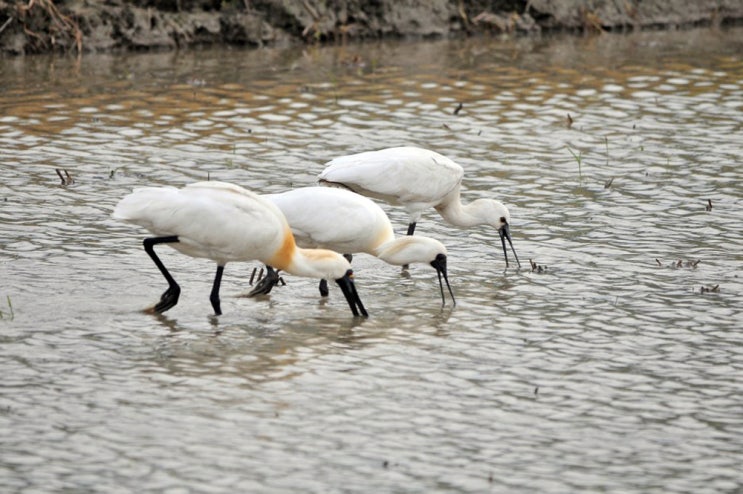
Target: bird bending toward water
{"x":224,"y":223}
{"x":418,"y":179}
{"x":340,"y":220}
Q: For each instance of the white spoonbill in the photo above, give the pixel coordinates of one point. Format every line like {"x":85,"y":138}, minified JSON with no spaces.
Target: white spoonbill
{"x":340,"y":220}
{"x":417,"y":179}
{"x":224,"y":222}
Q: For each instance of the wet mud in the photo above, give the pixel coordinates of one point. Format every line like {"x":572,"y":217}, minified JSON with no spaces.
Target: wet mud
{"x":74,"y":26}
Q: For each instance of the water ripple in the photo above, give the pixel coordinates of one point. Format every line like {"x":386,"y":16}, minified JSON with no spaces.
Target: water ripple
{"x":612,"y":369}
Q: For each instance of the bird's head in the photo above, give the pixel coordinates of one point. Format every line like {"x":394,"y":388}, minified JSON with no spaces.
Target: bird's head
{"x":411,"y":249}
{"x":496,"y":215}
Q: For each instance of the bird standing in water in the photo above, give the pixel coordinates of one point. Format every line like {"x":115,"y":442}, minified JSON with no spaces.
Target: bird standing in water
{"x":226,"y":223}
{"x":418,"y":179}
{"x":343,"y":221}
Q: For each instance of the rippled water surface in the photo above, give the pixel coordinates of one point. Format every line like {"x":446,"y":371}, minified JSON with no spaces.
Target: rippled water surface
{"x":616,"y":368}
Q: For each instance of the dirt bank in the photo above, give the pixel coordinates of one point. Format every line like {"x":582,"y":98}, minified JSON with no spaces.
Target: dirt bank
{"x":35,"y":26}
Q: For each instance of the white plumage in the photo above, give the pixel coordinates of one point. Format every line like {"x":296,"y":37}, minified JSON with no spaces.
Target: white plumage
{"x":417,"y":179}
{"x":346,"y":222}
{"x":226,"y":223}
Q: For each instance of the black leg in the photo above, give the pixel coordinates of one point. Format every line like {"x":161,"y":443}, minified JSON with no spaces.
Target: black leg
{"x":169,"y":298}
{"x":411,"y":230}
{"x":265,"y":285}
{"x":324,"y":288}
{"x":214,"y":297}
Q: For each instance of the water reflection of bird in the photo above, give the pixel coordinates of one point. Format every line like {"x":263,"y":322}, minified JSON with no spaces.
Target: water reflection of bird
{"x":417,"y":179}
{"x":343,"y":221}
{"x":225,"y":223}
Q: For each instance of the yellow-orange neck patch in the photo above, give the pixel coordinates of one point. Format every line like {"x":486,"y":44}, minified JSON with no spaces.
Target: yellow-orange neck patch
{"x":283,"y":256}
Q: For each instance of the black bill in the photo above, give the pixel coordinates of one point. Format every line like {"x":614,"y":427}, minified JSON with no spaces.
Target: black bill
{"x":349,"y":290}
{"x":439,"y":264}
{"x":505,"y":234}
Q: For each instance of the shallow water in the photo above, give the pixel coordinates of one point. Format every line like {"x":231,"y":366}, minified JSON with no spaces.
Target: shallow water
{"x":609,"y":371}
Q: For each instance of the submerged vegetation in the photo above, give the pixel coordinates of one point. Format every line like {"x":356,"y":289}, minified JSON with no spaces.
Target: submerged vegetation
{"x":579,"y":159}
{"x":10,"y":314}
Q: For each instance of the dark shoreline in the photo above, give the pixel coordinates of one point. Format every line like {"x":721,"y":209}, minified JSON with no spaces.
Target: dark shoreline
{"x":80,"y":26}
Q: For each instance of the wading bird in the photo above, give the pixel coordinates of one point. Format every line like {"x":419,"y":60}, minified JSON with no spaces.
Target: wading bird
{"x":224,"y":223}
{"x":417,"y":179}
{"x":340,"y":220}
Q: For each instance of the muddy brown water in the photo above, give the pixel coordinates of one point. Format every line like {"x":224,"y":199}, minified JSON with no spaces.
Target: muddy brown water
{"x":612,"y":370}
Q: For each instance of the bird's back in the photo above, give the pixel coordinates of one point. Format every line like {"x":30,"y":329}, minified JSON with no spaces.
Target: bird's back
{"x":413,"y":177}
{"x":214,"y":220}
{"x":335,"y":219}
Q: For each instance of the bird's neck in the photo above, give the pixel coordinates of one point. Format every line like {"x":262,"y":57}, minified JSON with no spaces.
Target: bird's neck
{"x":284,"y":255}
{"x":396,"y":251}
{"x":384,"y":239}
{"x":456,"y":213}
{"x":311,"y":263}
{"x":316,"y":263}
